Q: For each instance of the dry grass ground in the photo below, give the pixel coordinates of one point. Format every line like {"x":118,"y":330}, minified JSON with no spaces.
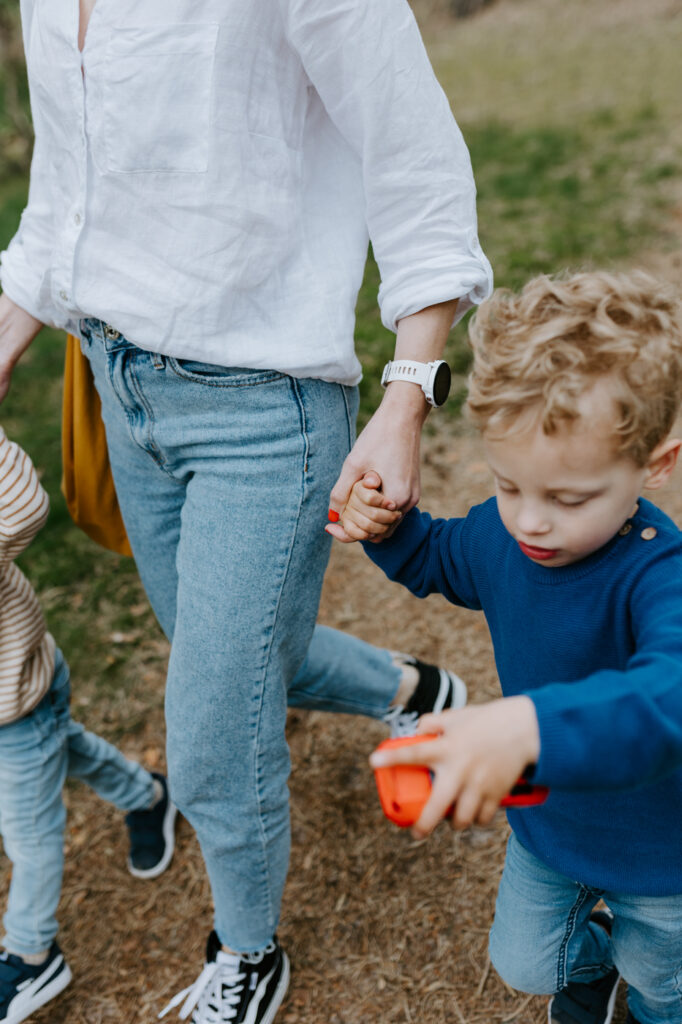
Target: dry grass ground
{"x":379,"y":928}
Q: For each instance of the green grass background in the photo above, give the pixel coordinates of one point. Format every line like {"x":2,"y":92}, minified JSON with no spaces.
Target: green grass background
{"x":571,"y":115}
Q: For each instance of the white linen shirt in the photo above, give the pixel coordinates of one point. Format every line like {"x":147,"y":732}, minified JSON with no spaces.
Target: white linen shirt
{"x":207,"y":172}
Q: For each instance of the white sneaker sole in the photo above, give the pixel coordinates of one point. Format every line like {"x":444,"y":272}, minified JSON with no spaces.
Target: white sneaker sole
{"x":48,"y":992}
{"x":459,"y":690}
{"x":169,"y":838}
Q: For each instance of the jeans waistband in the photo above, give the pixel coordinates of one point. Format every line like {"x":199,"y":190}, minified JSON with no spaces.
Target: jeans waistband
{"x":92,"y":328}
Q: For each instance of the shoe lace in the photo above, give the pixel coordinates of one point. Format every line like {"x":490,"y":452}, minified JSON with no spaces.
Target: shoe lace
{"x":215,"y":994}
{"x":401,"y":722}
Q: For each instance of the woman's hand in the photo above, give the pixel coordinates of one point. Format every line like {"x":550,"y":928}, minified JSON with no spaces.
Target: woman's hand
{"x":17,"y":330}
{"x":390,"y":443}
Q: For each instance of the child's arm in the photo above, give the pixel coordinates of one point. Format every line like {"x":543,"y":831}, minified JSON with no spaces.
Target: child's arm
{"x":480,"y":752}
{"x":368,"y":514}
{"x":24,"y":504}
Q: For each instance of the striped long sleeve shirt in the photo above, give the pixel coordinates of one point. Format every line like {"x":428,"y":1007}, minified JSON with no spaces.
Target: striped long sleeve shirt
{"x":27,"y":650}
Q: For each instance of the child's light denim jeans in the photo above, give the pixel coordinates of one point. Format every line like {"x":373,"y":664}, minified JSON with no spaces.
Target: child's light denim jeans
{"x":541,"y":938}
{"x":223,"y":476}
{"x":37,"y":753}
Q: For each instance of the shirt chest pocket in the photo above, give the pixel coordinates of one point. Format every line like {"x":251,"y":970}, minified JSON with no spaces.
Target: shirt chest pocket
{"x":156,"y":96}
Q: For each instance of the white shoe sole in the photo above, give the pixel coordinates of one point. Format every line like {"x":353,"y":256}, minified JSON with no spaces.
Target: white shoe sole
{"x":45,"y":994}
{"x":169,"y":838}
{"x":459,"y":690}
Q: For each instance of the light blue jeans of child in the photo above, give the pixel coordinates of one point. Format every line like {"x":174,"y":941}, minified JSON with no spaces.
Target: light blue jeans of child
{"x":223,"y":476}
{"x":37,"y":753}
{"x":541,"y":938}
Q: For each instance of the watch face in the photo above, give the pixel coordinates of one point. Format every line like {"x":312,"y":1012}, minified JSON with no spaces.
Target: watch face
{"x":441,"y":383}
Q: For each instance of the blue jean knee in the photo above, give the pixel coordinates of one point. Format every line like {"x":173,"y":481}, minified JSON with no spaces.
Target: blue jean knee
{"x":37,"y":753}
{"x":32,"y":816}
{"x":647,"y":947}
{"x":540,"y":937}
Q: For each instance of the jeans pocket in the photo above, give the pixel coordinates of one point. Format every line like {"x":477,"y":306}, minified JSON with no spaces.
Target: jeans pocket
{"x":213,"y":375}
{"x":157,"y":97}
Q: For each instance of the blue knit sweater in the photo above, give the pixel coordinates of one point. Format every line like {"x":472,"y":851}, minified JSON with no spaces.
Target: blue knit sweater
{"x":597,"y":646}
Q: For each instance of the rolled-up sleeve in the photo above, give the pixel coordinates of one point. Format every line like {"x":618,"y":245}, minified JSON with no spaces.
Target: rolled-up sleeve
{"x":25,"y":264}
{"x":369,"y":66}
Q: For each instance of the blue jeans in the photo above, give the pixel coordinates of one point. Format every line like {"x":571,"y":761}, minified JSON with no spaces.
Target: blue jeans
{"x":541,"y":938}
{"x":37,"y":753}
{"x":223,"y":476}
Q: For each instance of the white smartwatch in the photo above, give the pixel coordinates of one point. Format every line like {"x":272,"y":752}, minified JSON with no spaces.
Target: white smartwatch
{"x":433,"y":378}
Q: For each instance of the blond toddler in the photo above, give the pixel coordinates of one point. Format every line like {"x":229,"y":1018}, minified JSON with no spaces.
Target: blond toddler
{"x":575,"y":387}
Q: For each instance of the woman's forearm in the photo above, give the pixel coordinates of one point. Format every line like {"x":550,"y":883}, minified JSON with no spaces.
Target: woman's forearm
{"x":17,"y":330}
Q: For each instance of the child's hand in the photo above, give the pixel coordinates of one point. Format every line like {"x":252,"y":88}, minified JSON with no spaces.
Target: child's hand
{"x":479,"y":753}
{"x":368,"y":515}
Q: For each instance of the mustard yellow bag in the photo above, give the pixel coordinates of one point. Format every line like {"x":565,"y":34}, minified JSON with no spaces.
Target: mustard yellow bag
{"x":87,"y":483}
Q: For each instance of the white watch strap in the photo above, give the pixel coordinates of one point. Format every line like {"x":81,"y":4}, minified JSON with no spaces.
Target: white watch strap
{"x":406,"y":369}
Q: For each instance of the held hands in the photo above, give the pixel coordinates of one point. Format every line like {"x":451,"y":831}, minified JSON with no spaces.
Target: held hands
{"x":479,"y":753}
{"x":368,"y":514}
{"x":389,"y":445}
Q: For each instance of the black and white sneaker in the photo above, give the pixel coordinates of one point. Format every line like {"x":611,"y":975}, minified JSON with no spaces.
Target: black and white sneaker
{"x":152,"y":835}
{"x":593,"y":1002}
{"x":436,"y":690}
{"x":24,"y":988}
{"x":234,"y":988}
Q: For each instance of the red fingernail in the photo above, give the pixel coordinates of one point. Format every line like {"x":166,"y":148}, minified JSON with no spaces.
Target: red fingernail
{"x":333,"y":516}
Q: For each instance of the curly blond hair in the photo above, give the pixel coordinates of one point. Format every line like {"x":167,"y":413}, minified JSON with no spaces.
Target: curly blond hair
{"x":545,"y":347}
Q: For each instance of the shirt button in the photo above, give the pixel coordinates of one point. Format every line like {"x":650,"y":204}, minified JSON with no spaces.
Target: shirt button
{"x":77,"y":218}
{"x":648,"y":533}
{"x":625,"y":529}
{"x":63,"y":296}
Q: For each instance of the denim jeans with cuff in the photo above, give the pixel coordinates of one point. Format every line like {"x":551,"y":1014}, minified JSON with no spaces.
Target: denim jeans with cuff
{"x":223,"y":477}
{"x":37,"y":753}
{"x":541,"y":938}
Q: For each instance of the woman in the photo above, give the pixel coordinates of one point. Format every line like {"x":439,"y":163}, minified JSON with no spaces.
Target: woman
{"x":204,"y":180}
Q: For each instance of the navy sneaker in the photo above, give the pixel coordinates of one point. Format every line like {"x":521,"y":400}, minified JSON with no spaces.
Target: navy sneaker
{"x":436,"y":690}
{"x":592,"y":1002}
{"x":24,"y":988}
{"x":152,"y":836}
{"x":234,"y":988}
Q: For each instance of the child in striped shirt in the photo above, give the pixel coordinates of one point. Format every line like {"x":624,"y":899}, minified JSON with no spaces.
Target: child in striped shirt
{"x":40,"y":745}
